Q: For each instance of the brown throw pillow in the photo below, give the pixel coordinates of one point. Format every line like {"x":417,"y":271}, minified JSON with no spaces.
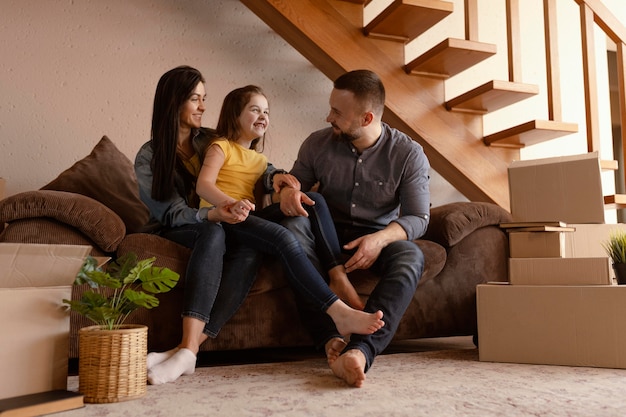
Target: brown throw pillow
{"x":106,"y":175}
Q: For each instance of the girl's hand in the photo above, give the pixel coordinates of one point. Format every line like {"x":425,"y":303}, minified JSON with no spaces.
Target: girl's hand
{"x":285,"y":180}
{"x":238,"y":211}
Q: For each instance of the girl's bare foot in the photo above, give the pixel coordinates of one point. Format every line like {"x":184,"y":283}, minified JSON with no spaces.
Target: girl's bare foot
{"x":344,"y":290}
{"x":349,"y":320}
{"x":333,"y":348}
{"x":341,"y":285}
{"x":350,"y":367}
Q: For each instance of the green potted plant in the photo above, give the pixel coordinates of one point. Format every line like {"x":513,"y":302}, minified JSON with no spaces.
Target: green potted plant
{"x":615,"y":248}
{"x":112,"y":354}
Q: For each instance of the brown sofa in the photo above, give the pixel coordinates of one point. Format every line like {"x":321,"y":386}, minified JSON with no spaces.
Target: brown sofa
{"x":95,"y":203}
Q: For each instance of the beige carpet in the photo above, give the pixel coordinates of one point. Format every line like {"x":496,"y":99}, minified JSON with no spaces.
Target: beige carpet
{"x":450,"y":382}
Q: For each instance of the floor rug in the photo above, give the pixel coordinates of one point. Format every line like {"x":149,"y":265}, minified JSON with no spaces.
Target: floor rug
{"x":433,"y":383}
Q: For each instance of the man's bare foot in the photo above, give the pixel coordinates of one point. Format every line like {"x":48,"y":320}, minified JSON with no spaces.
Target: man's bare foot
{"x":344,"y":290}
{"x":350,"y":367}
{"x":333,"y":348}
{"x":348,"y":320}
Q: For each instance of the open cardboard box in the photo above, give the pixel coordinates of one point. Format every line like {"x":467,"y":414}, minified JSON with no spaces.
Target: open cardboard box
{"x":34,"y":280}
{"x":552,"y":325}
{"x":564,"y":188}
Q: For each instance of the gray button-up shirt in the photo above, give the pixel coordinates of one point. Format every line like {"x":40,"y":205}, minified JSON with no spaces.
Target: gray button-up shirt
{"x":387,"y":182}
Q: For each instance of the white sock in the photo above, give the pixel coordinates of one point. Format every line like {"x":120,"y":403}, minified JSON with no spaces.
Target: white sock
{"x":155,"y":358}
{"x":182,"y":362}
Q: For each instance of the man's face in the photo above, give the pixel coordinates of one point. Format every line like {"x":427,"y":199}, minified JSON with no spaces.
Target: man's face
{"x":344,"y":116}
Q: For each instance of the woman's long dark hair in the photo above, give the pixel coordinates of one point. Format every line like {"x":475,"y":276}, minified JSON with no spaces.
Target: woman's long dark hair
{"x":173,"y":90}
{"x":234,"y":103}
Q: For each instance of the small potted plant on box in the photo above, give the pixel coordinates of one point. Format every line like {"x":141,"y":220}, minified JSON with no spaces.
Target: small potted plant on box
{"x":112,"y":354}
{"x":615,"y":248}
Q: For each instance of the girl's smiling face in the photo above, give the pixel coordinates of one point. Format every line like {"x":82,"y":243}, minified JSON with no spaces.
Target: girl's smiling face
{"x":255,"y":118}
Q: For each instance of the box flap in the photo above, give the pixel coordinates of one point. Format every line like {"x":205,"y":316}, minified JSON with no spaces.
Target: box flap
{"x":565,"y":188}
{"x":39,"y":265}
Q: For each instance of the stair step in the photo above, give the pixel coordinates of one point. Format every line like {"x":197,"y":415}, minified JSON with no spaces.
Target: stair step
{"x":530,"y":133}
{"x":405,"y":20}
{"x":491,"y":96}
{"x":450,"y":57}
{"x":607,"y":165}
{"x":616,"y":201}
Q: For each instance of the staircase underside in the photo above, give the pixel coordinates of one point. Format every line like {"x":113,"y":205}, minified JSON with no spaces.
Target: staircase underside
{"x":330,"y":35}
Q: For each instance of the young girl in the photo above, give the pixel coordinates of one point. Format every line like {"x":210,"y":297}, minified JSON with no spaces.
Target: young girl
{"x":230,"y":170}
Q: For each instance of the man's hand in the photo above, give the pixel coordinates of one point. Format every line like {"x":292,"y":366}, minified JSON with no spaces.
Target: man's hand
{"x":291,"y":201}
{"x":285,"y":180}
{"x":369,"y":247}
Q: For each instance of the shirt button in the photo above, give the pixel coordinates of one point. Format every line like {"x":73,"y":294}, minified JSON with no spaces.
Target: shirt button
{"x":353,"y":205}
{"x":356,"y":184}
{"x":360,"y":161}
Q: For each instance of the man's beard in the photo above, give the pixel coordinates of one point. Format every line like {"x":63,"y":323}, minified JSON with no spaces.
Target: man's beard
{"x":344,"y":136}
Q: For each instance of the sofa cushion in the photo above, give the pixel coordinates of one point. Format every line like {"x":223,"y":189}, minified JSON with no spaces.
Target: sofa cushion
{"x":106,"y":175}
{"x":91,"y":218}
{"x":450,"y":223}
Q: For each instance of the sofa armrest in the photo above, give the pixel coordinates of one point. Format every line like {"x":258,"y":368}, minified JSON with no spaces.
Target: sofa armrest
{"x":92,"y":218}
{"x":450,"y":223}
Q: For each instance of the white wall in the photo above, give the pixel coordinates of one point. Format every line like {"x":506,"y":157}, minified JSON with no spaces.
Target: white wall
{"x":73,"y":71}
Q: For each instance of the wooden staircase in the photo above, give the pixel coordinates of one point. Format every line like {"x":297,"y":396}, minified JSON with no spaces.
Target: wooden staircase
{"x":333,"y":36}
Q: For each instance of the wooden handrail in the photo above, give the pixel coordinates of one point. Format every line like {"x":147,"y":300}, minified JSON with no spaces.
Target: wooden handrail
{"x":513,"y":35}
{"x":552,"y":60}
{"x":471,"y":20}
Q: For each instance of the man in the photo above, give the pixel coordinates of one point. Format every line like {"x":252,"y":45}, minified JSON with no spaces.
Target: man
{"x":375,"y":181}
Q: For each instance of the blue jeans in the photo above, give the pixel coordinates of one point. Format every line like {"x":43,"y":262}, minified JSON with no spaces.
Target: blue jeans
{"x":322,"y":226}
{"x":399,"y":265}
{"x":273,"y":239}
{"x":219,"y":274}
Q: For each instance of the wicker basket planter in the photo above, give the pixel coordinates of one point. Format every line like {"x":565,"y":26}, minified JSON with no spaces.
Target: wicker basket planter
{"x":112,"y":363}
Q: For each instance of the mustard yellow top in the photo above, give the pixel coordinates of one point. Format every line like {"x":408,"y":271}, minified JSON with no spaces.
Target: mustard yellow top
{"x":241,"y":170}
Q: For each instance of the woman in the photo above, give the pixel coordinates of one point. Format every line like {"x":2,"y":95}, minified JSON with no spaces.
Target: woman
{"x":231,"y":168}
{"x":167,"y":167}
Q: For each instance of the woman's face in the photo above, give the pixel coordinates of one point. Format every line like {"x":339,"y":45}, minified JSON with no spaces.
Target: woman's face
{"x":255,"y":118}
{"x":191,"y":112}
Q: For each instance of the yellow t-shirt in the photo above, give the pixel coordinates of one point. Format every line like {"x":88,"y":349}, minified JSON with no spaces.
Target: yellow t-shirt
{"x":241,"y":170}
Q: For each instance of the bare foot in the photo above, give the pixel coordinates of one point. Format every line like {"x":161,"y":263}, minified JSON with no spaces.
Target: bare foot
{"x":340,"y":284}
{"x":344,"y":290}
{"x":349,"y":320}
{"x":350,"y":367}
{"x":333,"y":348}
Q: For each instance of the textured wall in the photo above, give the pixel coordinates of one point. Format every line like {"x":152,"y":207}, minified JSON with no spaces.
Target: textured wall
{"x":75,"y":70}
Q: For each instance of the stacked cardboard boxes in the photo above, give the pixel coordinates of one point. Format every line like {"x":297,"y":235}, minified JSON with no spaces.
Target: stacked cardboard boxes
{"x":561,"y":305}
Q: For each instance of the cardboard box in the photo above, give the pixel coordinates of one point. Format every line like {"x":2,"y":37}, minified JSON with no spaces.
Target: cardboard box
{"x":2,"y":188}
{"x":35,"y":327}
{"x":560,"y":271}
{"x":552,"y":325}
{"x":585,"y":241}
{"x":537,"y":244}
{"x":566,"y":188}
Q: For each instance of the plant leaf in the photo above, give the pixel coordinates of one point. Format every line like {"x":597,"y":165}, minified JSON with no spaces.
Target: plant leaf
{"x":141,"y":299}
{"x":157,"y":280}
